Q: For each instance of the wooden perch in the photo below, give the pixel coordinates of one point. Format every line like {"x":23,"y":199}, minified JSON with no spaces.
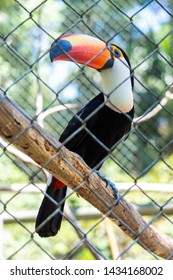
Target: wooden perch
{"x":20,"y":130}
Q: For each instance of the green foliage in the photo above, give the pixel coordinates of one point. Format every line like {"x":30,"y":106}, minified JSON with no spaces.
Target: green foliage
{"x":10,"y":173}
{"x":27,"y":30}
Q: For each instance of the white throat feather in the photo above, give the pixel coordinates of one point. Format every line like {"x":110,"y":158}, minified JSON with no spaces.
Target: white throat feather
{"x":117,"y":86}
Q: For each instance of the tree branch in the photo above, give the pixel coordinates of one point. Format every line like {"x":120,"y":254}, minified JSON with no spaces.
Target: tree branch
{"x":12,"y":150}
{"x":143,"y":118}
{"x":55,"y":109}
{"x":18,"y":128}
{"x":20,"y":155}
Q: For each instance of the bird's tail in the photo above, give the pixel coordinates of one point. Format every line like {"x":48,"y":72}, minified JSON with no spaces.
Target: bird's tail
{"x":48,"y":220}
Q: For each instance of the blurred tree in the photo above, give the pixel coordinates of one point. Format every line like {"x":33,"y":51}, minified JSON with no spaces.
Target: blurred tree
{"x":29,"y":78}
{"x":143,"y":28}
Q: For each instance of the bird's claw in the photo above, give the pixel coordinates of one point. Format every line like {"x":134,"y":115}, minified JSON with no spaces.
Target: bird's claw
{"x":112,"y":185}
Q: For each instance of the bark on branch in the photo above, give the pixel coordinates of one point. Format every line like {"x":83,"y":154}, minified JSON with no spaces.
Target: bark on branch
{"x":18,"y":128}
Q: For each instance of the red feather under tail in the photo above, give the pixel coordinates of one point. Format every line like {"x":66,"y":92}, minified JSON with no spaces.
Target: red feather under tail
{"x":57,"y":184}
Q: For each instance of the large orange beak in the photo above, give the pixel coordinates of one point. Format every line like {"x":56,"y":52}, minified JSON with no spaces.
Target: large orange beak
{"x":82,"y":49}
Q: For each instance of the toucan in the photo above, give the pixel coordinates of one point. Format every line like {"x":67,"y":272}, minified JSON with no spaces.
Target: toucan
{"x":98,"y":126}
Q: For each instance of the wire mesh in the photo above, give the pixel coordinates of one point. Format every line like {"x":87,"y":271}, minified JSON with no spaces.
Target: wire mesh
{"x":141,"y":166}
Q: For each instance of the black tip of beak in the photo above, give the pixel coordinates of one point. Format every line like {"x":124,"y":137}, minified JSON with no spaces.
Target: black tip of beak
{"x":59,"y":47}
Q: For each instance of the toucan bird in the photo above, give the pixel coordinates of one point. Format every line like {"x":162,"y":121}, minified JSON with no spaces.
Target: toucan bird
{"x":99,"y":125}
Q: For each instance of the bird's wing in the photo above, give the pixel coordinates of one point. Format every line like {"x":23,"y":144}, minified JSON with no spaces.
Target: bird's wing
{"x":77,"y":124}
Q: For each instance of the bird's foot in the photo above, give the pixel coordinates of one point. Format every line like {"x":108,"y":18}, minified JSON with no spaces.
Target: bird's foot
{"x":112,"y":185}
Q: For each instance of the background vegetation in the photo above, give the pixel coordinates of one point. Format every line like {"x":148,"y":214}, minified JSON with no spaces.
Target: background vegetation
{"x":144,"y":30}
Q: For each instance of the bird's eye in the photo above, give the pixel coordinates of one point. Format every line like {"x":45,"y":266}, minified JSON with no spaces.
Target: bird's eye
{"x":117,"y":53}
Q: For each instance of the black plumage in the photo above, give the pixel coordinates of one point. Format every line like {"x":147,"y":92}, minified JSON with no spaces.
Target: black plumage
{"x":91,"y":133}
{"x":96,"y":129}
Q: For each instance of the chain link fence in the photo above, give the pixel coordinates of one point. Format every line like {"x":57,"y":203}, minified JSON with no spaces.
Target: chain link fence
{"x":141,"y":166}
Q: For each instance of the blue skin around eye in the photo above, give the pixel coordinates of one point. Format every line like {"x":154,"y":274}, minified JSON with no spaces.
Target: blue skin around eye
{"x":59,"y":47}
{"x":117,"y":53}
